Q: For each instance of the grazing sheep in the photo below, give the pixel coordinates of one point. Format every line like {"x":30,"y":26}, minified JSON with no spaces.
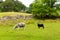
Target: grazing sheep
{"x":40,"y":25}
{"x":19,"y":25}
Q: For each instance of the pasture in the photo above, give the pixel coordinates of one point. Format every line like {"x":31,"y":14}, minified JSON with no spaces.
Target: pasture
{"x":31,"y":32}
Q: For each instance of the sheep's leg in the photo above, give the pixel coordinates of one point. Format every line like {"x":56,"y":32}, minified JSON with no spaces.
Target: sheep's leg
{"x":14,"y":27}
{"x":18,"y":28}
{"x":43,"y":27}
{"x":38,"y":27}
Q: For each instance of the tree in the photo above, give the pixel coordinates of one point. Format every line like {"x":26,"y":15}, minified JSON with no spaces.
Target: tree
{"x":1,"y":1}
{"x":41,"y":8}
{"x":12,"y":5}
{"x":19,"y":6}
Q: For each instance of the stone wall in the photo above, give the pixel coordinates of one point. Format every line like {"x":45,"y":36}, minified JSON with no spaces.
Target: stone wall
{"x":16,"y":16}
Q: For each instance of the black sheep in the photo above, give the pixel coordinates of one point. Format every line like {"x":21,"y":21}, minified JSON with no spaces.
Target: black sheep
{"x":40,"y":25}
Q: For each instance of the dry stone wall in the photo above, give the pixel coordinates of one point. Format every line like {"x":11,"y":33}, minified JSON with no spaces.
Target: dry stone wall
{"x":26,"y":17}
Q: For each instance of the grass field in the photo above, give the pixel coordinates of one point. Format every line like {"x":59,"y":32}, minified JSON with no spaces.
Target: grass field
{"x":31,"y":32}
{"x":12,"y":14}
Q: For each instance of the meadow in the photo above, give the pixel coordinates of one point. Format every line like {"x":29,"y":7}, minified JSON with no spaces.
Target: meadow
{"x":31,"y":32}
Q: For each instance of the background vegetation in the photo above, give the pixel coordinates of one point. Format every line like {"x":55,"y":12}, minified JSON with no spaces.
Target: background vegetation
{"x":44,"y":8}
{"x":39,"y":8}
{"x":11,"y":5}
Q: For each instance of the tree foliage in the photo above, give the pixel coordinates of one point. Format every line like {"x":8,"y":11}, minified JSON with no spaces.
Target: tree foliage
{"x":12,"y":5}
{"x":41,"y":8}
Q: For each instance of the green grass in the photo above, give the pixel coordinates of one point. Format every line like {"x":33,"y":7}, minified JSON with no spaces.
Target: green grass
{"x":12,"y":13}
{"x":31,"y":32}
